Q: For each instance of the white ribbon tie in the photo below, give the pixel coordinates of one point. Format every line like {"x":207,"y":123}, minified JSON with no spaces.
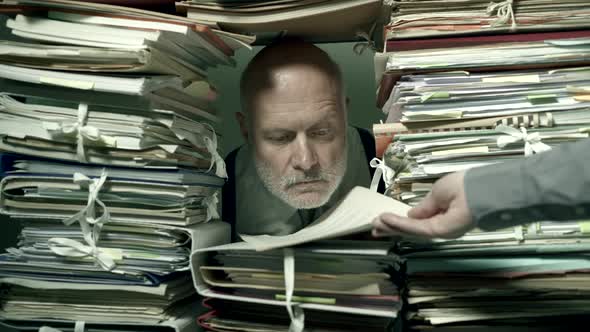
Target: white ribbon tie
{"x":89,"y":224}
{"x":72,"y":248}
{"x":381,"y":169}
{"x":504,"y":11}
{"x":211,"y":145}
{"x":295,"y":312}
{"x":532,"y":142}
{"x":82,"y":131}
{"x":211,"y":203}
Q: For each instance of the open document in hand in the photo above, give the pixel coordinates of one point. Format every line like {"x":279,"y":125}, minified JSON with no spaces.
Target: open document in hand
{"x":352,"y":215}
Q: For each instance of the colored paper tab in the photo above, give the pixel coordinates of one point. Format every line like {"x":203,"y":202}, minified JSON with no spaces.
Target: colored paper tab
{"x":307,"y":299}
{"x":582,"y":97}
{"x":584,"y":227}
{"x":475,"y":149}
{"x":512,"y":79}
{"x":542,"y":99}
{"x":435,"y":95}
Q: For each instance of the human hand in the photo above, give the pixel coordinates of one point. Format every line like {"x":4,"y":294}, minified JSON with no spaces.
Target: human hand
{"x":443,"y":213}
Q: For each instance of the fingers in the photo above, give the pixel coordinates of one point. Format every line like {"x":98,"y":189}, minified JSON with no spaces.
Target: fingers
{"x":389,"y":224}
{"x":445,"y":226}
{"x":427,"y":208}
{"x":383,"y":228}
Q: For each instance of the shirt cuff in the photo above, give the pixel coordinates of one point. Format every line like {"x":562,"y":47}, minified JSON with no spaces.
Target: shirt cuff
{"x":495,"y":195}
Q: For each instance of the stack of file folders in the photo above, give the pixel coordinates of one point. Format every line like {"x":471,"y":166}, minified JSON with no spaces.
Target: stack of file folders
{"x":468,"y":120}
{"x":467,"y":84}
{"x":111,"y":165}
{"x":451,"y":109}
{"x":350,"y":284}
{"x":315,"y":20}
{"x":531,"y":278}
{"x":434,"y":18}
{"x":325,"y":285}
{"x":518,"y":52}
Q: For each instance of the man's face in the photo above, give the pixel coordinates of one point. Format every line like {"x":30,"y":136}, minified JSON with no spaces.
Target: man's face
{"x":298,"y":131}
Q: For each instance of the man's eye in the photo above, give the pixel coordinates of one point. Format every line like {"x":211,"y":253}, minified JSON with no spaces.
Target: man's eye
{"x":321,"y":133}
{"x":279,"y":139}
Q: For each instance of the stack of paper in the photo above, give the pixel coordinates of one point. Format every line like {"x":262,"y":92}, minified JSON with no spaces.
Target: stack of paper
{"x":138,"y":104}
{"x":115,"y":172}
{"x":479,"y":54}
{"x":134,"y":237}
{"x":317,"y":20}
{"x":238,"y":316}
{"x":533,"y":239}
{"x":38,"y":191}
{"x":226,"y":41}
{"x":119,"y":131}
{"x":330,"y":278}
{"x":467,"y":120}
{"x":456,"y":99}
{"x":501,"y":280}
{"x":431,"y":18}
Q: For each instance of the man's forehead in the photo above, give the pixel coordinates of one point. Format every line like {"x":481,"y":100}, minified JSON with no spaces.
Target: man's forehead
{"x":291,"y":86}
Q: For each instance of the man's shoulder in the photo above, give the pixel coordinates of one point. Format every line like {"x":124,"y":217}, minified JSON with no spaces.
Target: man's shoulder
{"x":367,"y":141}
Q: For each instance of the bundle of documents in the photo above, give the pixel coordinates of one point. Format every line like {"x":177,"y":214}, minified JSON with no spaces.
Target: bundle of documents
{"x":53,"y":278}
{"x":524,"y":278}
{"x":85,"y":127}
{"x":481,"y":54}
{"x":115,"y":172}
{"x":181,"y":320}
{"x":453,"y":121}
{"x":137,"y":275}
{"x":543,"y":237}
{"x":141,"y":102}
{"x":337,"y":276}
{"x":421,"y":159}
{"x":36,"y":190}
{"x":317,"y":20}
{"x":433,"y":18}
{"x":238,"y":316}
{"x":103,"y":12}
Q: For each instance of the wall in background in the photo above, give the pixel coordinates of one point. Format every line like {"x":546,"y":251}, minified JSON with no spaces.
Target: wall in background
{"x":358,"y":76}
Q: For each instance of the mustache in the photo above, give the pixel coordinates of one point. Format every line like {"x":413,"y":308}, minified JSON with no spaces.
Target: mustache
{"x":312,"y":175}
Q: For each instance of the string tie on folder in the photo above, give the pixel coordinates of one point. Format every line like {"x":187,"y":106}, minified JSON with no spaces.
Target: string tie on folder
{"x":295,"y":312}
{"x":72,"y":248}
{"x":211,"y":203}
{"x":78,"y":327}
{"x":381,"y":169}
{"x":211,"y":145}
{"x":532,"y":142}
{"x":48,"y":329}
{"x":83,"y":132}
{"x":89,"y":224}
{"x":360,"y":47}
{"x":519,"y":233}
{"x":504,"y":11}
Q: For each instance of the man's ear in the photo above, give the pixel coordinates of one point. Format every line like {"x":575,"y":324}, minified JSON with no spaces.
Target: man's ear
{"x":241,"y":117}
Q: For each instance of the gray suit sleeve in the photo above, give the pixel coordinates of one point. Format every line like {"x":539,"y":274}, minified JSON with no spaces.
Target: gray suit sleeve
{"x":554,"y":186}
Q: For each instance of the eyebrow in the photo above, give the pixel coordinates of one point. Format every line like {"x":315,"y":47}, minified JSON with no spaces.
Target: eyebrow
{"x":276,"y":131}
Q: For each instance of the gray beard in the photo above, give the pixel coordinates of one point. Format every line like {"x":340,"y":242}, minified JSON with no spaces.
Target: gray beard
{"x":277,"y":184}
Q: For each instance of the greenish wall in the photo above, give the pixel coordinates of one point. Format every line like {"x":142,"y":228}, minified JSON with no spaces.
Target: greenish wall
{"x":358,"y":75}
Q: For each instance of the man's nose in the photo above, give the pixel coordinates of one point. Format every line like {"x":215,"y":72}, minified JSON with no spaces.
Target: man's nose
{"x":304,"y":156}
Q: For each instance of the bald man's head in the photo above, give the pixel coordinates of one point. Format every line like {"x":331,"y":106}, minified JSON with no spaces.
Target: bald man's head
{"x":294,"y":120}
{"x":266,"y":71}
